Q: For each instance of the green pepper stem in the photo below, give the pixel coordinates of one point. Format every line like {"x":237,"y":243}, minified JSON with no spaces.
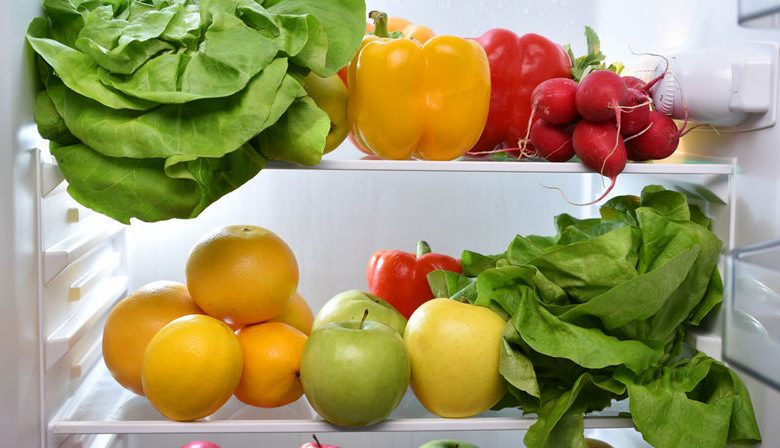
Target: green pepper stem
{"x":423,"y":248}
{"x":380,"y":23}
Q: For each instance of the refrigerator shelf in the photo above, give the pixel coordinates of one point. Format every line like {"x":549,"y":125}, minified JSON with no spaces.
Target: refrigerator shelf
{"x":101,"y":406}
{"x":679,"y":164}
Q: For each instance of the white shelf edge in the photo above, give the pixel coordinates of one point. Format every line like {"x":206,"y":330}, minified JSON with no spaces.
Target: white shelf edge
{"x":706,"y":166}
{"x":103,"y":441}
{"x":61,"y":340}
{"x":90,"y":441}
{"x":303,"y":426}
{"x":710,"y":344}
{"x":60,"y":255}
{"x":82,"y":365}
{"x":82,"y":286}
{"x":51,"y":177}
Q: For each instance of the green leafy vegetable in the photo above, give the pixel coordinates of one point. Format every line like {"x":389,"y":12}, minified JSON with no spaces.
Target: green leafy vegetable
{"x":599,"y":311}
{"x":699,"y":401}
{"x":156,"y":109}
{"x":593,"y":60}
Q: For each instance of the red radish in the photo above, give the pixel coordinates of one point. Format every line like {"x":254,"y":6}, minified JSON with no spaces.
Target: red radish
{"x":632,"y":82}
{"x":657,"y":142}
{"x":552,"y":142}
{"x":553,"y":100}
{"x":599,"y":96}
{"x":634,"y":114}
{"x":600,"y":147}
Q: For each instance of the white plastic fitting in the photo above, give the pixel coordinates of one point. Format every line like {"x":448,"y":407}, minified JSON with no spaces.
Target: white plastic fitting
{"x":731,"y":86}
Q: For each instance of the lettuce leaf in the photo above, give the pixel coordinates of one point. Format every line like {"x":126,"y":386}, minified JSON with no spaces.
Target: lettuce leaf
{"x":179,"y":129}
{"x":156,"y":109}
{"x":698,"y":401}
{"x":599,"y":311}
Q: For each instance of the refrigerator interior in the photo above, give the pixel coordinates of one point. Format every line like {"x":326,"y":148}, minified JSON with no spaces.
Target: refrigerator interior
{"x":64,"y":266}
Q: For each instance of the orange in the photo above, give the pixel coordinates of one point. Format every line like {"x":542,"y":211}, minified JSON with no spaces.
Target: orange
{"x":272,"y":361}
{"x":298,"y":315}
{"x":134,"y":321}
{"x":191,"y":367}
{"x":245,"y":274}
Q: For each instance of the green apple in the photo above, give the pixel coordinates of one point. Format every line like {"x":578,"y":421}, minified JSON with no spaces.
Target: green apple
{"x":350,"y":305}
{"x":331,"y":95}
{"x":454,"y":349}
{"x":448,"y":443}
{"x":354,"y":373}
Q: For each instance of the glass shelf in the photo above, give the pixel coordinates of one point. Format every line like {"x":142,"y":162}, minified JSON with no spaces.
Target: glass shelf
{"x":752,"y":311}
{"x":677,"y":164}
{"x":101,"y":406}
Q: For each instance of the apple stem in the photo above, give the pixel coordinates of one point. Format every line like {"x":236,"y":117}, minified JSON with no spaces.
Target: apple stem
{"x":363,"y":320}
{"x":316,"y":440}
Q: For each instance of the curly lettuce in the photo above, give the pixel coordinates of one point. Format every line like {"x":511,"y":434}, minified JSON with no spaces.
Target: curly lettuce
{"x":157,"y":108}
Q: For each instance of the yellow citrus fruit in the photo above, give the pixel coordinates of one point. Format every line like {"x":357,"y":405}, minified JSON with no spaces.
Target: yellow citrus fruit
{"x":297,"y":314}
{"x":272,"y":361}
{"x":191,"y":367}
{"x":134,"y":321}
{"x":245,"y":274}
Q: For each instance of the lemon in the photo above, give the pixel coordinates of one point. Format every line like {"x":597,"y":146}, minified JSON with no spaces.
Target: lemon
{"x":191,"y":367}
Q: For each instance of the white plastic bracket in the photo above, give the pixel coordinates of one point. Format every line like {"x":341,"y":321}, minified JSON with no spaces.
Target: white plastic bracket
{"x":87,"y":282}
{"x":731,"y":86}
{"x":61,"y":340}
{"x":59,"y":256}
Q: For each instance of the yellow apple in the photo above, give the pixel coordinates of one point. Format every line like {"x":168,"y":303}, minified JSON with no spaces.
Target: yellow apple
{"x":454,"y":352}
{"x":331,"y":95}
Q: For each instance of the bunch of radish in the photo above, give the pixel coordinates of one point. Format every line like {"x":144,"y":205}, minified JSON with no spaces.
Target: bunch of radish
{"x":604,"y":120}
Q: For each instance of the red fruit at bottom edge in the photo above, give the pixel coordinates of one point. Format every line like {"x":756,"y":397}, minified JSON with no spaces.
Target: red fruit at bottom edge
{"x":200,"y":444}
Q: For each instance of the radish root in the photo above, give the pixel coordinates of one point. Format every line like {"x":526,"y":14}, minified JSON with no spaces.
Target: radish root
{"x":627,"y":139}
{"x":558,"y":148}
{"x":614,"y":148}
{"x":563,"y":195}
{"x":655,"y":80}
{"x":524,"y":141}
{"x":630,"y":108}
{"x":492,"y":151}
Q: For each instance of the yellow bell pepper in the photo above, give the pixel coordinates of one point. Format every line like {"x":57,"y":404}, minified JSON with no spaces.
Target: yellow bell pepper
{"x":407,"y":99}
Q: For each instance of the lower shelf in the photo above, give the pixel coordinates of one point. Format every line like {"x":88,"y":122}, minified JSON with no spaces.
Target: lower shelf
{"x":101,"y":406}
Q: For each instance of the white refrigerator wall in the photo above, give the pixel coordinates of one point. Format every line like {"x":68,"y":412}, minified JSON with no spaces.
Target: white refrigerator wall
{"x":20,"y":398}
{"x":333,"y":221}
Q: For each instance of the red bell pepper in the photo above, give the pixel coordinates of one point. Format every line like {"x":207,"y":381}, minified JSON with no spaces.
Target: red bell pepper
{"x":517,"y":65}
{"x":400,"y":277}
